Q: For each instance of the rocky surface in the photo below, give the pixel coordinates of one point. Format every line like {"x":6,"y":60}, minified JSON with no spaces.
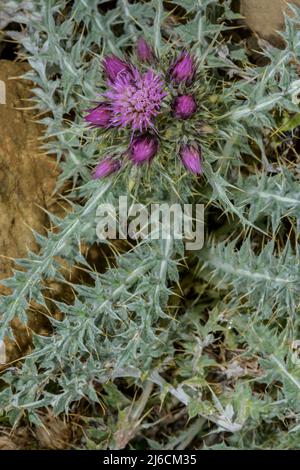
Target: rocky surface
{"x":27,"y":176}
{"x":265,"y":17}
{"x":27,"y":182}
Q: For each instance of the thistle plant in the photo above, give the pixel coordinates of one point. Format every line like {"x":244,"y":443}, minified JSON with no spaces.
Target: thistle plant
{"x":177,"y":114}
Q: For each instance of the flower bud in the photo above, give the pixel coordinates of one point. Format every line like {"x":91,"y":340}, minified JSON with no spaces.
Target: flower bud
{"x":183,"y":69}
{"x":99,"y":116}
{"x":144,"y":51}
{"x":191,"y":158}
{"x":106,"y":167}
{"x":113,"y":66}
{"x":184,"y":106}
{"x":143,"y":148}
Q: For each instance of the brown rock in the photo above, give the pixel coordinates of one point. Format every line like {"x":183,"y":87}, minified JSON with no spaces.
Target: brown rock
{"x":265,"y":17}
{"x":27,"y":176}
{"x":27,"y":182}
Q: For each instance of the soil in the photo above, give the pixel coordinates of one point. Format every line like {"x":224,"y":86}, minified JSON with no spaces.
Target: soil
{"x":54,"y":433}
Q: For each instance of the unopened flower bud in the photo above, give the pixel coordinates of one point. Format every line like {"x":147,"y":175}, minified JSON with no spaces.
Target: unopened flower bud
{"x":191,"y":158}
{"x":144,"y":51}
{"x":99,"y":116}
{"x":113,"y":66}
{"x":184,"y":106}
{"x":106,"y":168}
{"x":183,"y":69}
{"x":143,"y":148}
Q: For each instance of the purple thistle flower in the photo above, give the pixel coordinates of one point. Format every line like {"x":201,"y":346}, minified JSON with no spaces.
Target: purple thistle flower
{"x":143,"y":148}
{"x":99,"y":116}
{"x":135,"y":99}
{"x":144,"y":51}
{"x":113,"y":66}
{"x":183,"y":69}
{"x":106,"y":167}
{"x":184,"y":106}
{"x":191,"y":158}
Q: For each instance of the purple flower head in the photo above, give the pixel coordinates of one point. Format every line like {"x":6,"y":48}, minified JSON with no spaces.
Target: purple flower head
{"x":135,"y":99}
{"x":191,"y":158}
{"x":183,"y":69}
{"x":99,"y":116}
{"x":184,"y":106}
{"x":106,"y":167}
{"x":113,"y":66}
{"x":144,"y":51}
{"x":143,"y":148}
